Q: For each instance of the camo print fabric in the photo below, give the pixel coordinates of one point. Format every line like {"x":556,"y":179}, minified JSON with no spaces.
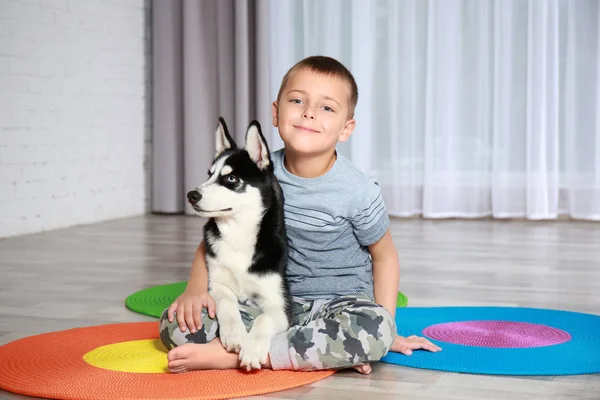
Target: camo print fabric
{"x":171,"y":336}
{"x":342,"y":332}
{"x":331,"y":334}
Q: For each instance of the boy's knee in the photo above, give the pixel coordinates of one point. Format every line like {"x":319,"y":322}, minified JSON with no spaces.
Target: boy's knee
{"x":171,"y":336}
{"x":169,"y":332}
{"x":380,"y":329}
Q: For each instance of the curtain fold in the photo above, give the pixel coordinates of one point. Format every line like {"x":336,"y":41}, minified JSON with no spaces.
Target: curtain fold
{"x":467,"y":108}
{"x":210,"y":59}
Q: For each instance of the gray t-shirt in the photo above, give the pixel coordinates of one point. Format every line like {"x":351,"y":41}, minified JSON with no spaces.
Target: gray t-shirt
{"x":329,"y":221}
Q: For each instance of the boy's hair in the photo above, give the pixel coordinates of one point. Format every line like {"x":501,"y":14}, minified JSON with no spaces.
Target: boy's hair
{"x":328,"y":66}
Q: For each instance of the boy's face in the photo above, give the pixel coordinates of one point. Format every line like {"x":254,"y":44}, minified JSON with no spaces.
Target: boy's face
{"x":312,"y":113}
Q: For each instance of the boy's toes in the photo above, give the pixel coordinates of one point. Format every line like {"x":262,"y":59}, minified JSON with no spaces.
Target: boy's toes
{"x":174,"y":354}
{"x":364,"y":369}
{"x":178,"y":360}
{"x":177,"y":366}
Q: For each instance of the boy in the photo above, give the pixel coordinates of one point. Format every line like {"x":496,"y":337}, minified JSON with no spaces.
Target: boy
{"x":343,"y":266}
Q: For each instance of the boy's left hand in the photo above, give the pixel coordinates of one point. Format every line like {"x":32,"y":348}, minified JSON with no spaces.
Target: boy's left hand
{"x":406,"y":345}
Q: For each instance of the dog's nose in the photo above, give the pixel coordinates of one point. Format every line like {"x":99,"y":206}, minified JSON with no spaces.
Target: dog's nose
{"x":194,"y":196}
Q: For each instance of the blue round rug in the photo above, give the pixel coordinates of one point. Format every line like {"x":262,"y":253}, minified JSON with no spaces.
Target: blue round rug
{"x":501,"y":340}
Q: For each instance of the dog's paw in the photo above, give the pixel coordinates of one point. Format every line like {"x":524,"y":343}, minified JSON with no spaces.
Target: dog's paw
{"x":254,"y":351}
{"x":233,"y":336}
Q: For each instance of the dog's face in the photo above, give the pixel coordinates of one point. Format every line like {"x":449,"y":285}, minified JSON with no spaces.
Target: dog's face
{"x":236,"y":177}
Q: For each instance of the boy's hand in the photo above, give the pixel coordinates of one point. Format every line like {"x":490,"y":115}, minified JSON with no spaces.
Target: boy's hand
{"x":406,"y":345}
{"x":189,"y":310}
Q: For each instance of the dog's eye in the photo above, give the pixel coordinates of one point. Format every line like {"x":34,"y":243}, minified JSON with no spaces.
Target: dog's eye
{"x":231,"y":179}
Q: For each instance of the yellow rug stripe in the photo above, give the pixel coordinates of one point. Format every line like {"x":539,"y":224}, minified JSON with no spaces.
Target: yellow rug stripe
{"x":143,"y":356}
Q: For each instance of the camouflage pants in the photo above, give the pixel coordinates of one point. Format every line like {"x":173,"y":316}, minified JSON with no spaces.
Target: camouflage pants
{"x":326,"y":334}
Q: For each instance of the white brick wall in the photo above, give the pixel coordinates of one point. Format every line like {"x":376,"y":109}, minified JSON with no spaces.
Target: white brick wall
{"x":74,"y":117}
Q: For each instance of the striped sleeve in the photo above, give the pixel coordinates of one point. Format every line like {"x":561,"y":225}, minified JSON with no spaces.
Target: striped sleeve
{"x":369,"y":217}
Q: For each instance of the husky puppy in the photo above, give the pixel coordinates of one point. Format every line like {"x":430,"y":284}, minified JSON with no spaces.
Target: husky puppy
{"x":246,"y":243}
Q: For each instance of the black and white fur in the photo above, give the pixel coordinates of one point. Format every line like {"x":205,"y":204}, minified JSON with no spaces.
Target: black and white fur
{"x":246,"y":242}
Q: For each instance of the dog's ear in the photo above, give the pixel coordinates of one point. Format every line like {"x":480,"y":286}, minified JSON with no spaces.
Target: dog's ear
{"x":256,"y":146}
{"x":222,"y":139}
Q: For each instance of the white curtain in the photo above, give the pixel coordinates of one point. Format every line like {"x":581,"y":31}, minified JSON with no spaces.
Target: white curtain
{"x":467,"y":108}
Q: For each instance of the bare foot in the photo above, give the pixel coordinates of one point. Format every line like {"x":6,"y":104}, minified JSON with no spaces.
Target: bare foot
{"x":212,"y":355}
{"x":192,"y":356}
{"x":364,"y":369}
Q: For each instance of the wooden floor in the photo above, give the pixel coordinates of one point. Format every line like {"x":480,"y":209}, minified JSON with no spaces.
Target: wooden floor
{"x":80,"y":277}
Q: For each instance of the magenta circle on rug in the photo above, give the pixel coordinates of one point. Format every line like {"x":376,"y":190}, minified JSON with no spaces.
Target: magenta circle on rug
{"x":497,"y":334}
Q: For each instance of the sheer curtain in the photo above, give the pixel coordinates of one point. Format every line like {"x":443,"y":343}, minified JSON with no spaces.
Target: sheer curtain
{"x":467,"y":108}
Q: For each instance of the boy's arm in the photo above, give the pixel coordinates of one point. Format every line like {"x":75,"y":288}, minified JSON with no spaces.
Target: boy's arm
{"x":386,"y":272}
{"x":198,"y":282}
{"x":195,"y":296}
{"x":386,"y":277}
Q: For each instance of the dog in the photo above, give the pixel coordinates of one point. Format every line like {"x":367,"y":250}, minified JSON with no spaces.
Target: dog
{"x":246,"y":243}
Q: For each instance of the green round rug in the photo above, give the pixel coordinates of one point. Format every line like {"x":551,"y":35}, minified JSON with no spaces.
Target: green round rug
{"x":401,"y":300}
{"x":153,"y":300}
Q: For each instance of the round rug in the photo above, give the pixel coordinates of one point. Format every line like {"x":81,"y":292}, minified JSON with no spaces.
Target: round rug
{"x":154,"y":300}
{"x":123,"y":361}
{"x":502,"y":340}
{"x":401,"y":300}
